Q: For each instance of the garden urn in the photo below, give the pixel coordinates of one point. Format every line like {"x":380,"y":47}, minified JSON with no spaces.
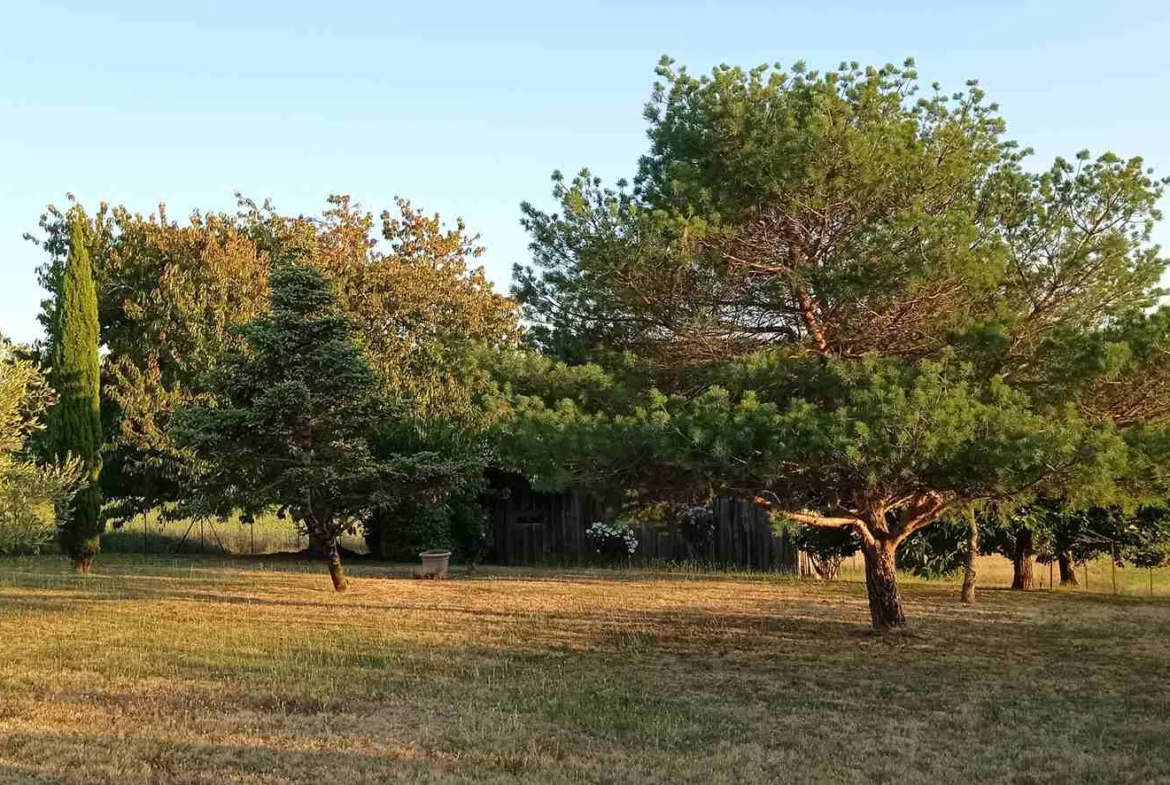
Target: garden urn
{"x":434,"y":563}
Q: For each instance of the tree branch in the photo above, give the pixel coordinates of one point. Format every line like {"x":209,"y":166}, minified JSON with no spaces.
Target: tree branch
{"x":827,"y":521}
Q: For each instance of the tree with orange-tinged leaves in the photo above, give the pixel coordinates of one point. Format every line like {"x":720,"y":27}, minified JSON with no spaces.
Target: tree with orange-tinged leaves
{"x":169,"y":297}
{"x":418,"y":305}
{"x":172,"y":294}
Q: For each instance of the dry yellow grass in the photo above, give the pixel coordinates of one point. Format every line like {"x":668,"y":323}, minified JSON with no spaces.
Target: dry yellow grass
{"x":211,"y":671}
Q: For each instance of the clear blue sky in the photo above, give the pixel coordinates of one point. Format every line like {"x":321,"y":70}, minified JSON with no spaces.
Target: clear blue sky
{"x":466,"y":107}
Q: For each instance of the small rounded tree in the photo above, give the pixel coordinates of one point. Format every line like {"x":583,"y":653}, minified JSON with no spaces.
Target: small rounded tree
{"x":826,"y":548}
{"x":34,"y":499}
{"x":297,"y":420}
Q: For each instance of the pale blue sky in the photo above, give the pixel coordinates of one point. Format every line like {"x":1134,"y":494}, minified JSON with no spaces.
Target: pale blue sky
{"x":467,"y":107}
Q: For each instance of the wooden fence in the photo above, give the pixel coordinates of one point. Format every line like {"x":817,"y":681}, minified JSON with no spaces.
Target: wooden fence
{"x":533,"y":528}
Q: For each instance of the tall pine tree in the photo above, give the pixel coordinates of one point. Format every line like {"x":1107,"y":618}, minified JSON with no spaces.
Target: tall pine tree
{"x":75,"y":422}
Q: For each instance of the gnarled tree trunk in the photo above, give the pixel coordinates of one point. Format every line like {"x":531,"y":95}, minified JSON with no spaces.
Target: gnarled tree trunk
{"x":1022,"y":560}
{"x":967,"y":595}
{"x":881,"y":584}
{"x":1068,"y":575}
{"x":880,"y":534}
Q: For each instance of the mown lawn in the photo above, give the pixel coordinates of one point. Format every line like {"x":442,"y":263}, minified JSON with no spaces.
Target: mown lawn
{"x":212,"y":670}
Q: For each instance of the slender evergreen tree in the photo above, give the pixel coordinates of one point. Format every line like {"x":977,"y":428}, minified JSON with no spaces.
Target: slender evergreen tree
{"x":75,"y":422}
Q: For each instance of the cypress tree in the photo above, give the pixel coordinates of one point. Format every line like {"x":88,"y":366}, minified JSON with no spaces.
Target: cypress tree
{"x":75,"y":422}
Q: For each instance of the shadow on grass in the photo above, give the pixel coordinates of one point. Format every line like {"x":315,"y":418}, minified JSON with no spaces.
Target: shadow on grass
{"x":167,"y":760}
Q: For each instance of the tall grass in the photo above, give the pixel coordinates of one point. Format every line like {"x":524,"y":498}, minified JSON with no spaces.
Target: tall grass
{"x":152,"y":534}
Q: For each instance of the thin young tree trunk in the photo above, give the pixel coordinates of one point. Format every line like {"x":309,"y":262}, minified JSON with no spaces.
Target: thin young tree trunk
{"x":335,"y":571}
{"x":1022,"y":560}
{"x":967,"y":595}
{"x":318,"y":544}
{"x":1068,"y":575}
{"x":881,"y":584}
{"x":827,"y":568}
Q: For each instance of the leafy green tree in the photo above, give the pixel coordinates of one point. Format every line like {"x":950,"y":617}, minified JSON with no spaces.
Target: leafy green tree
{"x":948,"y":547}
{"x":1148,"y":538}
{"x":1075,"y":536}
{"x":1019,"y":534}
{"x":419,"y":307}
{"x":75,"y":427}
{"x":854,"y":302}
{"x":1045,"y":531}
{"x":169,"y":296}
{"x":936,"y":551}
{"x":34,"y":498}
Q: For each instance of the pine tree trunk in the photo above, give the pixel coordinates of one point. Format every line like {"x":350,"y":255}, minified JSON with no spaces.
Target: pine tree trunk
{"x":881,"y":584}
{"x":967,"y":595}
{"x":1068,"y":575}
{"x":335,"y":570}
{"x":1022,"y":560}
{"x":82,"y":565}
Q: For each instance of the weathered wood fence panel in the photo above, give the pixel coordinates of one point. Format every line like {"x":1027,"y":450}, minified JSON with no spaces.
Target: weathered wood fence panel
{"x":533,"y":528}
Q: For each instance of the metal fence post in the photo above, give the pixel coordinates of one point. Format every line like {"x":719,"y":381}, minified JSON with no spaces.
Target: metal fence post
{"x":1113,"y":564}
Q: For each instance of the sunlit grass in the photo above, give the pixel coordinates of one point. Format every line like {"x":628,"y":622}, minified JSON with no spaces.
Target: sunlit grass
{"x":156,"y":535}
{"x":191,"y":669}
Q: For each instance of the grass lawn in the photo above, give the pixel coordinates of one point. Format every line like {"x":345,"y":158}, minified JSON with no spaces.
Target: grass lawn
{"x":217,"y":670}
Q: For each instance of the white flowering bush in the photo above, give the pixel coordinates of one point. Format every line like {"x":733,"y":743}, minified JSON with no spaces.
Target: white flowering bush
{"x":612,"y":539}
{"x":697,"y":522}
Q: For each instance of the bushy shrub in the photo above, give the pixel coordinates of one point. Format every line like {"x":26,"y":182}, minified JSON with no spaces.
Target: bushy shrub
{"x":457,"y":524}
{"x":34,"y":499}
{"x":612,"y":540}
{"x":696,"y":524}
{"x":826,"y":548}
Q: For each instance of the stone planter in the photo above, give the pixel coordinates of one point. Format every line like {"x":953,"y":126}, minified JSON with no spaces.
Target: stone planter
{"x":434,"y":564}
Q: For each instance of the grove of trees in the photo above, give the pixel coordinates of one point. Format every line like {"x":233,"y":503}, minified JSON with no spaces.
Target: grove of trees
{"x":837,"y":293}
